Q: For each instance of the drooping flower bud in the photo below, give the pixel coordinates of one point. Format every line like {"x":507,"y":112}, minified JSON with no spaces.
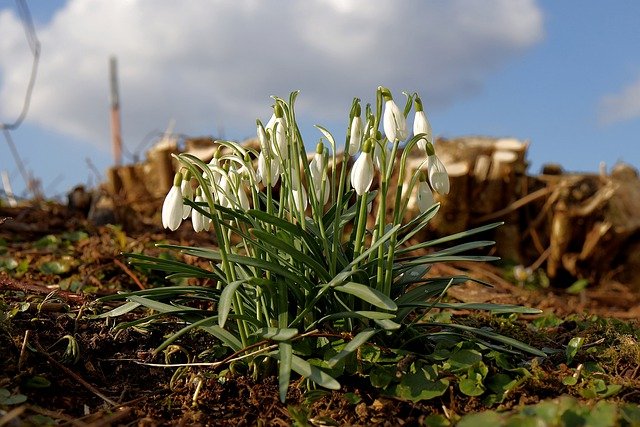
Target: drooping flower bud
{"x":393,"y":121}
{"x":270,"y":123}
{"x":281,"y":147}
{"x":362,"y":171}
{"x":262,"y":136}
{"x":421,"y":125}
{"x":187,"y":193}
{"x":199,"y":221}
{"x":243,"y":200}
{"x":424,"y":194}
{"x":355,"y":133}
{"x":438,"y":176}
{"x":300,"y":198}
{"x":317,"y":168}
{"x":226,"y":195}
{"x":316,"y":165}
{"x":214,"y":164}
{"x":240,"y":178}
{"x":274,"y":169}
{"x":299,"y":194}
{"x":172,"y":206}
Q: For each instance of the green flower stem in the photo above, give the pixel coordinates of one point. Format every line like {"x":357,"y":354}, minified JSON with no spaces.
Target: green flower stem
{"x":299,"y":150}
{"x":308,"y":307}
{"x":337,"y":234}
{"x":361,"y":226}
{"x":382,"y":213}
{"x":388,"y":278}
{"x":216,"y":217}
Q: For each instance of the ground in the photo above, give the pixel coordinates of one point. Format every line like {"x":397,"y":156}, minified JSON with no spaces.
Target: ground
{"x":58,"y":366}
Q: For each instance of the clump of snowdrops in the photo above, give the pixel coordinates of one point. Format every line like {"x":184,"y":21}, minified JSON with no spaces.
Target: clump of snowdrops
{"x":302,"y":277}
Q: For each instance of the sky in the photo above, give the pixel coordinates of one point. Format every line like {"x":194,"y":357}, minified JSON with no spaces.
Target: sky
{"x":563,"y":75}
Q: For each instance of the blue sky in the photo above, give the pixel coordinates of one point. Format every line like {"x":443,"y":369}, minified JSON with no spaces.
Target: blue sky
{"x":563,"y":75}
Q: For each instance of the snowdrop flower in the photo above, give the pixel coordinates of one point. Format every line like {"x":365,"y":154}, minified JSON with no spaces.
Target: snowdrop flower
{"x":172,"y":206}
{"x":300,"y":198}
{"x":263,"y":175}
{"x":281,"y":147}
{"x":393,"y":121}
{"x":362,"y":171}
{"x":199,"y":221}
{"x":262,"y":135}
{"x":421,"y":125}
{"x":187,"y":193}
{"x":265,"y":156}
{"x":355,"y":134}
{"x":425,"y":195}
{"x":381,"y":155}
{"x":271,"y":122}
{"x":243,"y":200}
{"x":298,"y":192}
{"x":438,"y":176}
{"x":239,"y":179}
{"x":214,"y":164}
{"x":319,"y":175}
{"x":316,"y":165}
{"x":226,"y":195}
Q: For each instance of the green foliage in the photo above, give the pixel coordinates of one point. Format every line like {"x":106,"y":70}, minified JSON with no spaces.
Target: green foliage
{"x":578,"y":286}
{"x":6,"y":398}
{"x":565,"y":411}
{"x":573,"y":347}
{"x":317,"y":288}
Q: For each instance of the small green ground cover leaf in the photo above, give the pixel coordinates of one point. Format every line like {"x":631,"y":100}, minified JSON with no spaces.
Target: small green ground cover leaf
{"x":417,"y":386}
{"x":6,"y":398}
{"x":565,"y":411}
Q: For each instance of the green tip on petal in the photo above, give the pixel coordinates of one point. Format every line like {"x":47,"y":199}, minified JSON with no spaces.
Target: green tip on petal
{"x":386,"y":93}
{"x":418,"y":102}
{"x":358,"y":111}
{"x":429,"y":148}
{"x":320,"y":148}
{"x":198,"y":191}
{"x":278,"y":111}
{"x":366,"y":146}
{"x":218,"y":153}
{"x":177,"y":179}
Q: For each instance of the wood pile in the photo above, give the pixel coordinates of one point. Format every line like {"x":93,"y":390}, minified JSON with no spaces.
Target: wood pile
{"x":571,"y":225}
{"x":574,"y":226}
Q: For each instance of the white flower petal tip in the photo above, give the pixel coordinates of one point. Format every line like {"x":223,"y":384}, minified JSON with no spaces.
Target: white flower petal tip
{"x":355,"y":136}
{"x":438,"y":176}
{"x":362,"y":174}
{"x":394,"y":122}
{"x":172,"y":209}
{"x":199,"y":221}
{"x":300,"y":199}
{"x":187,"y":193}
{"x":425,"y":197}
{"x":421,"y":125}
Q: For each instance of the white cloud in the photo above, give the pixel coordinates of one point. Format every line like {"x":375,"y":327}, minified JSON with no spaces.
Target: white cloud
{"x":621,"y":106}
{"x":216,"y":63}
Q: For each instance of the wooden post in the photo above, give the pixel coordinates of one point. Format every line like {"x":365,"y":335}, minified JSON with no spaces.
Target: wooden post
{"x":116,"y":136}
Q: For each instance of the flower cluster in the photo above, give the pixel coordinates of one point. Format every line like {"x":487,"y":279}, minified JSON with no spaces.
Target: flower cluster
{"x":230,"y":175}
{"x":296,"y":249}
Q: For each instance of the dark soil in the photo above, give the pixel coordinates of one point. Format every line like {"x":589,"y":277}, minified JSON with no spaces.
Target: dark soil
{"x":110,"y":384}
